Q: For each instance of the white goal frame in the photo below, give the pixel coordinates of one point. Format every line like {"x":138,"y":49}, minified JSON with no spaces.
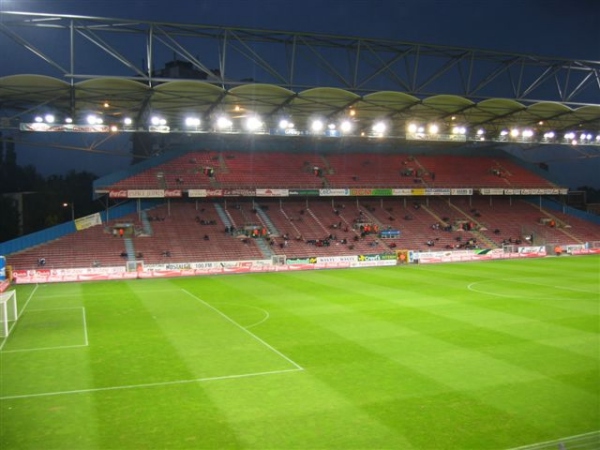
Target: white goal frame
{"x":8,"y":311}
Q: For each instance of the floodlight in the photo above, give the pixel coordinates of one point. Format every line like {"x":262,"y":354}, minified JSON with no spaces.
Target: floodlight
{"x":514,"y":133}
{"x":92,"y":119}
{"x":38,"y":119}
{"x":192,"y":122}
{"x":480,"y":132}
{"x":316,"y":125}
{"x":68,"y":120}
{"x":527,"y":133}
{"x":433,"y":129}
{"x":459,"y":130}
{"x":570,"y":136}
{"x":331,"y":126}
{"x":49,"y":118}
{"x":128,"y":121}
{"x":283,"y":124}
{"x":253,"y":123}
{"x":223,"y":122}
{"x":503,"y":132}
{"x":346,"y":126}
{"x":412,"y":128}
{"x":549,"y":135}
{"x":379,"y":127}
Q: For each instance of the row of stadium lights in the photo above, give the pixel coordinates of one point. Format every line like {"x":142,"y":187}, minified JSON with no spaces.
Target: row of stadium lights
{"x":317,"y":126}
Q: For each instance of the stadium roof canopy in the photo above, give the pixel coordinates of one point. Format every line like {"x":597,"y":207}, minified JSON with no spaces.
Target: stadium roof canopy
{"x":297,"y":76}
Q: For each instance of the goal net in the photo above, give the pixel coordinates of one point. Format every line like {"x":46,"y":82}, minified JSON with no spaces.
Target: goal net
{"x":8,"y":312}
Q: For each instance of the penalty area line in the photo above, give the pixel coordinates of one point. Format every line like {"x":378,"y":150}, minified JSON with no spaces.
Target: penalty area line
{"x":245,"y":330}
{"x":147,"y":385}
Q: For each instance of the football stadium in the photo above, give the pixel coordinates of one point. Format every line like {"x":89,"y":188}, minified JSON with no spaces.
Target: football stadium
{"x":372,"y":245}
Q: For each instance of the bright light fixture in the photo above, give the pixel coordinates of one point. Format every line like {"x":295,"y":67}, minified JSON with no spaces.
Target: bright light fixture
{"x":346,"y":126}
{"x":192,"y":122}
{"x":316,"y":125}
{"x":223,"y":122}
{"x":253,"y":123}
{"x":379,"y":127}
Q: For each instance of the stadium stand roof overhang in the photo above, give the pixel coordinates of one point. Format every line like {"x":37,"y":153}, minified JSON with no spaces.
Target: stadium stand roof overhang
{"x":117,"y":99}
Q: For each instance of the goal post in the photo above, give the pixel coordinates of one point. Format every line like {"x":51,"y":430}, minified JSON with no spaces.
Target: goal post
{"x":8,"y":311}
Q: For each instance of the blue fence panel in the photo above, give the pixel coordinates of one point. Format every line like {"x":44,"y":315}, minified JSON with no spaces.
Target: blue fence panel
{"x":556,"y":206}
{"x":58,"y":231}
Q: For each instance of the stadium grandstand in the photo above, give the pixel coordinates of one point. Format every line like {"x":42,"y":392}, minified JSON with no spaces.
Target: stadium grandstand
{"x":251,"y":151}
{"x":393,"y":164}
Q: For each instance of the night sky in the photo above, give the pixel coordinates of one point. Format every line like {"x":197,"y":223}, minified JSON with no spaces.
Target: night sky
{"x":569,"y":29}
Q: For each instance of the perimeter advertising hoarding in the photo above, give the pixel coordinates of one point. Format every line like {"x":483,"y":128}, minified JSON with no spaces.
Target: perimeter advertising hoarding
{"x":304,"y":192}
{"x":371,"y":192}
{"x":2,"y":268}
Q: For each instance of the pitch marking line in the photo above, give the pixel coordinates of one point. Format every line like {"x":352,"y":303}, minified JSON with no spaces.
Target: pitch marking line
{"x":147,"y":385}
{"x":85,"y":333}
{"x":98,"y":294}
{"x":18,"y":315}
{"x":471,"y":287}
{"x":245,"y":330}
{"x":567,"y":439}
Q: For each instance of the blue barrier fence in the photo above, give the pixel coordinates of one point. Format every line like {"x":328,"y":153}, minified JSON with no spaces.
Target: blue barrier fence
{"x":58,"y":231}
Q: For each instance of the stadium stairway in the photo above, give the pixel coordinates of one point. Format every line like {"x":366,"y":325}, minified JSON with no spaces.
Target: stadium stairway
{"x":223,"y":215}
{"x":146,"y":224}
{"x":264,"y":247}
{"x":273,"y":231}
{"x":129,"y":249}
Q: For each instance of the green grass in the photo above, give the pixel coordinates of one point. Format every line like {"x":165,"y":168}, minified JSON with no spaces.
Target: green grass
{"x":494,"y":355}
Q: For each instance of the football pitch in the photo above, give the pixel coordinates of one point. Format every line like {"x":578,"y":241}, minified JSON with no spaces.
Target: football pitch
{"x":494,"y":355}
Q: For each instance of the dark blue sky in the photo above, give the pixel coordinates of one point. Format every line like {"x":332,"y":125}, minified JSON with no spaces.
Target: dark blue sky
{"x":564,"y":28}
{"x":569,"y":29}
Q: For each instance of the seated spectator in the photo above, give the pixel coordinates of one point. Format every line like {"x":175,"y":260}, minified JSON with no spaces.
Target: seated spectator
{"x":41,"y":262}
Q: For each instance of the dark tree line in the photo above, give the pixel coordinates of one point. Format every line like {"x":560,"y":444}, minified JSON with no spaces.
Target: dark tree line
{"x":31,"y":202}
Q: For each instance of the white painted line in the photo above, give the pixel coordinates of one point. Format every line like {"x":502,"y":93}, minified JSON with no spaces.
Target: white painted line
{"x":557,"y":441}
{"x":101,"y":294}
{"x":85,"y":333}
{"x":147,"y":385}
{"x":62,"y":347}
{"x":296,"y":365}
{"x":5,"y":339}
{"x":52,"y":309}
